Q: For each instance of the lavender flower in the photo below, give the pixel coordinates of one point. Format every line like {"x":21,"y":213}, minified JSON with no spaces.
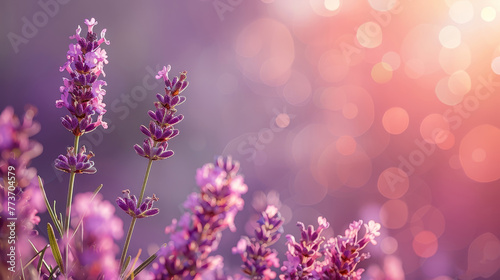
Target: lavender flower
{"x":302,"y":256}
{"x":18,"y":186}
{"x":340,"y":255}
{"x":76,"y":163}
{"x":161,"y":127}
{"x":94,"y":242}
{"x":129,"y":205}
{"x":82,"y":94}
{"x":255,"y":253}
{"x":197,"y":234}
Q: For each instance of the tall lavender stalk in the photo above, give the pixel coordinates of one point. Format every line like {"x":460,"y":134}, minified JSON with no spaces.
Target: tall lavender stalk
{"x":197,"y":234}
{"x":255,"y":252}
{"x":159,"y":132}
{"x":82,"y":95}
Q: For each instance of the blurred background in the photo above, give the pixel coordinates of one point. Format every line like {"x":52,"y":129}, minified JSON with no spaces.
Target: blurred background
{"x":366,"y":109}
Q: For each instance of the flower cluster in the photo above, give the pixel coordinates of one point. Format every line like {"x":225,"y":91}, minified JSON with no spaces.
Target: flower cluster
{"x":255,"y":253}
{"x":77,"y":163}
{"x":197,"y":234}
{"x":19,"y":193}
{"x":161,"y":126}
{"x":129,"y":204}
{"x":94,"y":247}
{"x":82,"y":94}
{"x":341,"y":254}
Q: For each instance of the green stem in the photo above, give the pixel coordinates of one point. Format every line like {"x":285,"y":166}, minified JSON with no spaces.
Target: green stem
{"x":150,"y":163}
{"x":132,"y":224}
{"x":127,"y":243}
{"x":69,"y":202}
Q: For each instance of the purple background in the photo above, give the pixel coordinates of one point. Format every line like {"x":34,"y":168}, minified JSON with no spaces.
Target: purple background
{"x":297,"y":93}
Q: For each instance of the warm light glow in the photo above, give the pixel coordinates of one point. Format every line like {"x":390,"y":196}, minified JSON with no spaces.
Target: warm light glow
{"x":391,"y":59}
{"x":495,"y":65}
{"x":332,"y":5}
{"x":459,"y":83}
{"x":369,"y":35}
{"x":381,"y":73}
{"x":395,"y":120}
{"x":282,"y":120}
{"x":488,"y":14}
{"x":461,"y":11}
{"x":450,"y":37}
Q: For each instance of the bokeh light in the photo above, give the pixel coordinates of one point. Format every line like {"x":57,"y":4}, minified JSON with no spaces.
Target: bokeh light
{"x":333,"y":66}
{"x":298,"y":89}
{"x":393,"y":183}
{"x":480,"y":153}
{"x":394,"y":214}
{"x":460,"y":83}
{"x":332,"y":5}
{"x":391,"y":59}
{"x":369,"y":35}
{"x":428,"y":218}
{"x":395,"y":120}
{"x":484,"y":256}
{"x":434,"y":128}
{"x":425,"y":244}
{"x":389,"y":245}
{"x":453,"y":60}
{"x":450,"y":37}
{"x":381,"y":73}
{"x":461,"y":11}
{"x":346,"y":145}
{"x":488,"y":14}
{"x":495,"y":65}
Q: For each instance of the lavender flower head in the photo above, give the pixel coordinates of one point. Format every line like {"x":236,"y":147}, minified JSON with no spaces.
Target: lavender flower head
{"x":336,"y":259}
{"x":78,"y":163}
{"x":161,"y":126}
{"x":302,"y":255}
{"x":129,"y":205}
{"x":82,"y":94}
{"x":255,"y":253}
{"x":342,"y":253}
{"x":197,"y":234}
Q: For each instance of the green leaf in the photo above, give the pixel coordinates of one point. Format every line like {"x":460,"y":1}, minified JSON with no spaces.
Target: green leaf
{"x":145,"y":264}
{"x":52,"y":213}
{"x":127,"y":261}
{"x":55,"y":248}
{"x":41,"y":258}
{"x":38,"y":253}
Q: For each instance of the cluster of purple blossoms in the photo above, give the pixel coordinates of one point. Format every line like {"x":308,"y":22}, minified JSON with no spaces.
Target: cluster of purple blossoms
{"x":161,"y":127}
{"x":19,"y":193}
{"x":197,"y":234}
{"x":77,"y":163}
{"x":96,"y":228}
{"x":255,"y":252}
{"x":82,"y":94}
{"x":129,"y":203}
{"x":340,"y":255}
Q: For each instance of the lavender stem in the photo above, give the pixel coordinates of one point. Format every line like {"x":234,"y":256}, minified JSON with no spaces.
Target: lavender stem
{"x":69,"y":202}
{"x":134,"y":219}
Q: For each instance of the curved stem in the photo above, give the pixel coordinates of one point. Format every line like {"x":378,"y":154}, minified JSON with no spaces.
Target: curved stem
{"x":144,"y":183}
{"x":69,"y":202}
{"x":132,"y":224}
